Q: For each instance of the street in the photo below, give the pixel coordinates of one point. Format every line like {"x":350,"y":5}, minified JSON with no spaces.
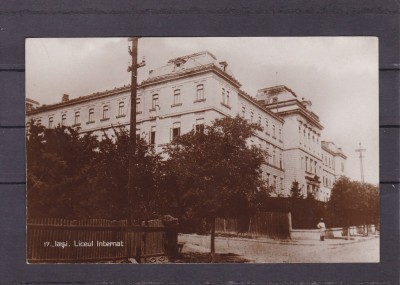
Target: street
{"x":270,"y":251}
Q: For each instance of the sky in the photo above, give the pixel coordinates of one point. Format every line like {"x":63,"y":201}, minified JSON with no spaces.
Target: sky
{"x":338,"y":74}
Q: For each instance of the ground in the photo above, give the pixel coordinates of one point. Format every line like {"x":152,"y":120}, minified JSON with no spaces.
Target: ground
{"x":361,"y":249}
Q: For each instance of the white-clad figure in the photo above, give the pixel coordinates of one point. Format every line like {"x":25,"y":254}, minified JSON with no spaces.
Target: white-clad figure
{"x":322,"y":228}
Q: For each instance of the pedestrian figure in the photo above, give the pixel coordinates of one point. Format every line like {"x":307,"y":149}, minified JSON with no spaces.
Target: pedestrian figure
{"x":322,"y":228}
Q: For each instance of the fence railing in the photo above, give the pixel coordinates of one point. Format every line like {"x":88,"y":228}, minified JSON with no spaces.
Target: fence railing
{"x":268,"y":224}
{"x":61,"y":240}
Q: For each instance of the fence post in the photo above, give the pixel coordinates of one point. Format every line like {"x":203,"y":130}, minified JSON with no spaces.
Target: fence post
{"x":249,"y":231}
{"x":289,"y":216}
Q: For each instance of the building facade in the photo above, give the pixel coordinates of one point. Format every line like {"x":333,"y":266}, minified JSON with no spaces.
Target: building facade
{"x":192,"y":91}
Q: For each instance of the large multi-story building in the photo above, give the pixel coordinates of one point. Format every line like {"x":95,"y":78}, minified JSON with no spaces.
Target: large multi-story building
{"x":308,"y":159}
{"x":191,"y":91}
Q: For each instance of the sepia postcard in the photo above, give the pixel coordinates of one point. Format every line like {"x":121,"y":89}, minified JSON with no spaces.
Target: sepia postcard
{"x":202,"y":150}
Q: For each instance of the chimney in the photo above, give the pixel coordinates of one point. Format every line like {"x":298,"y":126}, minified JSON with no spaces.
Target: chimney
{"x":65,"y":98}
{"x":223,"y":65}
{"x":306,"y":103}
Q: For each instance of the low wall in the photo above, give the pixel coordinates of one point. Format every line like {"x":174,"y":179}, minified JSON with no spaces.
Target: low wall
{"x":304,"y":234}
{"x":332,"y":232}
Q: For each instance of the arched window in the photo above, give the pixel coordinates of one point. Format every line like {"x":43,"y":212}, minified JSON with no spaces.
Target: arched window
{"x":77,"y":116}
{"x":154,"y":102}
{"x":137,"y":105}
{"x":105,"y":112}
{"x":121,"y":110}
{"x":91,"y":115}
{"x":177,"y":96}
{"x":63,"y":119}
{"x":200,"y":92}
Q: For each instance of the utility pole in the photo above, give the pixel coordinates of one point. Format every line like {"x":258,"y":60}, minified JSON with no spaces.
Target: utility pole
{"x":132,"y":135}
{"x":133,"y":48}
{"x":361,"y":150}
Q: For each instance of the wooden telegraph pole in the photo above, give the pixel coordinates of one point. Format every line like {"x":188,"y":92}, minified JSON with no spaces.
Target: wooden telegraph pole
{"x":133,"y":48}
{"x":361,"y":150}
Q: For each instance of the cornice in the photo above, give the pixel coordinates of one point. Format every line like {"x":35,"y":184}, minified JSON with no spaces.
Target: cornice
{"x":80,"y":100}
{"x":189,"y":73}
{"x":305,"y":114}
{"x":254,"y":101}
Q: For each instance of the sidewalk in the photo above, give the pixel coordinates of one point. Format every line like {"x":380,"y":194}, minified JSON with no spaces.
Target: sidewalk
{"x":263,"y":250}
{"x":306,"y":242}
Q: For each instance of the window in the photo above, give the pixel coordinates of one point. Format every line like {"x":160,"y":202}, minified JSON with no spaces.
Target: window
{"x":153,"y":135}
{"x":313,"y":143}
{"x":200,"y":125}
{"x":251,"y":116}
{"x":243,"y":111}
{"x":63,"y":119}
{"x":223,"y":96}
{"x":176,"y":130}
{"x":280,"y":134}
{"x":137,"y":105}
{"x":91,"y":115}
{"x":280,"y":160}
{"x":50,"y":122}
{"x":306,"y":163}
{"x":259,"y":120}
{"x":273,"y":130}
{"x":39,"y":122}
{"x":77,"y":115}
{"x":200,"y":92}
{"x":137,"y":134}
{"x":281,"y":184}
{"x":342,"y":167}
{"x":268,"y":179}
{"x":177,"y":96}
{"x":121,"y":111}
{"x":227,"y":98}
{"x":154,"y":102}
{"x":105,"y":112}
{"x":268,"y":154}
{"x":266,"y":127}
{"x":274,"y":158}
{"x":300,"y":135}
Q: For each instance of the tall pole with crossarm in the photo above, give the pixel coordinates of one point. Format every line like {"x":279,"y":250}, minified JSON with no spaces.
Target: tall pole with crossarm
{"x":133,"y":48}
{"x":361,"y":150}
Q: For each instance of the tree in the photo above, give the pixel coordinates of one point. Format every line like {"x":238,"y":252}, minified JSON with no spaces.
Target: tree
{"x":73,"y":175}
{"x":353,"y":203}
{"x":112,"y":165}
{"x":295,"y":191}
{"x":216,"y":173}
{"x":58,"y":165}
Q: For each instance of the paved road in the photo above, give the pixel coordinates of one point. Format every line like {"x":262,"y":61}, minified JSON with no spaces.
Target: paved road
{"x":365,"y":250}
